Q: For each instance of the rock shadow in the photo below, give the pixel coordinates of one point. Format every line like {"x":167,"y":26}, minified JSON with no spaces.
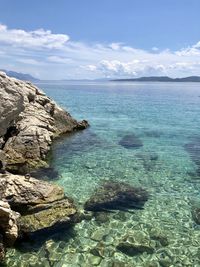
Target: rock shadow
{"x":130,"y":141}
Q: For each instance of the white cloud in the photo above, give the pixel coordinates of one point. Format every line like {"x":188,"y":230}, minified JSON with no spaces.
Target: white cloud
{"x":55,"y":56}
{"x":32,"y":39}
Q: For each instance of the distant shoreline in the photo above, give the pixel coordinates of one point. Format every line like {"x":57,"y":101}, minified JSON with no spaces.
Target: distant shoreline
{"x":159,"y":79}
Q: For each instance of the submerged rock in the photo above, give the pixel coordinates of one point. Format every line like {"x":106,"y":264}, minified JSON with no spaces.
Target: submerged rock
{"x":116,"y":196}
{"x":135,"y":243}
{"x":130,"y":141}
{"x":29,"y":122}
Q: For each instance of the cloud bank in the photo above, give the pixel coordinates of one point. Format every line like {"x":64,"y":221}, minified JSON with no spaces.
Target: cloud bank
{"x":50,"y":55}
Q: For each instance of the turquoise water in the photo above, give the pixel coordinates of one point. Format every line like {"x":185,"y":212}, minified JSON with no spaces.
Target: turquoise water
{"x":165,"y":117}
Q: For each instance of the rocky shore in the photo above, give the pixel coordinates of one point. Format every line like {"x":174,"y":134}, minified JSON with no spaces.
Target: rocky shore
{"x":29,"y":123}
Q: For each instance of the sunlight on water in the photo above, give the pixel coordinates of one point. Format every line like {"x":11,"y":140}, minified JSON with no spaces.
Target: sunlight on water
{"x":164,"y":119}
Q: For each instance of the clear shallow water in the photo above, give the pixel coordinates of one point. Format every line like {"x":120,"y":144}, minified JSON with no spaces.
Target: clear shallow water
{"x":165,"y":116}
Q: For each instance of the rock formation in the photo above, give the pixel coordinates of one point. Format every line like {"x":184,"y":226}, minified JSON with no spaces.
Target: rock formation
{"x":116,"y":196}
{"x":30,"y":205}
{"x":29,"y":122}
{"x":8,"y":227}
{"x":40,"y":203}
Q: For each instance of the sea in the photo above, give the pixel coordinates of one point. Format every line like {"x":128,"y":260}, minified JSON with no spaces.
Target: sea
{"x":165,"y":119}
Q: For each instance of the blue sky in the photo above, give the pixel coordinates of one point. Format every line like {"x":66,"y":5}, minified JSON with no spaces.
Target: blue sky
{"x":73,"y":39}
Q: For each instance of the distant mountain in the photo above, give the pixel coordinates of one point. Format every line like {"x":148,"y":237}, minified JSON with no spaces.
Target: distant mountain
{"x":160,"y":79}
{"x":20,"y":76}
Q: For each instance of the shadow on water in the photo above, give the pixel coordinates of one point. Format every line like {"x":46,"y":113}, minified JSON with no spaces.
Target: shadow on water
{"x":49,"y":173}
{"x":70,"y":145}
{"x":34,"y":241}
{"x":130,"y":141}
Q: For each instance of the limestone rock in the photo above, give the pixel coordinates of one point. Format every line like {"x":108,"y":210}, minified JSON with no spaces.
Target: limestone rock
{"x":26,"y":194}
{"x":116,"y":195}
{"x":59,"y":212}
{"x":8,"y":223}
{"x":29,"y":122}
{"x":41,"y":204}
{"x":12,"y":102}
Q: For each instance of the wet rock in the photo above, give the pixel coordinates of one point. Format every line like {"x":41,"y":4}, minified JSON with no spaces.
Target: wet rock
{"x":29,"y":123}
{"x":135,"y":243}
{"x":116,"y":196}
{"x":57,"y":213}
{"x":130,"y":141}
{"x":81,"y":125}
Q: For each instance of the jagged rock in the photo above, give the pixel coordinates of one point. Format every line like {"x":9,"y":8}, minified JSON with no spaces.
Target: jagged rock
{"x":26,"y":194}
{"x":8,"y":224}
{"x":41,"y":204}
{"x":130,"y":141}
{"x":12,"y":102}
{"x":116,"y":195}
{"x":59,"y":212}
{"x":134,"y":243}
{"x":29,"y":122}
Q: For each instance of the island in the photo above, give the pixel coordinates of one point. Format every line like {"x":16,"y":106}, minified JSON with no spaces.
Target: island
{"x":159,"y":79}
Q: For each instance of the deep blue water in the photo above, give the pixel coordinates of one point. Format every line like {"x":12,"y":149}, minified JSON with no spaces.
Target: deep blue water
{"x":166,"y":119}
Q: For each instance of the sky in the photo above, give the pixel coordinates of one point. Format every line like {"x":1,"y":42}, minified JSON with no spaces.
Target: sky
{"x":91,"y":39}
